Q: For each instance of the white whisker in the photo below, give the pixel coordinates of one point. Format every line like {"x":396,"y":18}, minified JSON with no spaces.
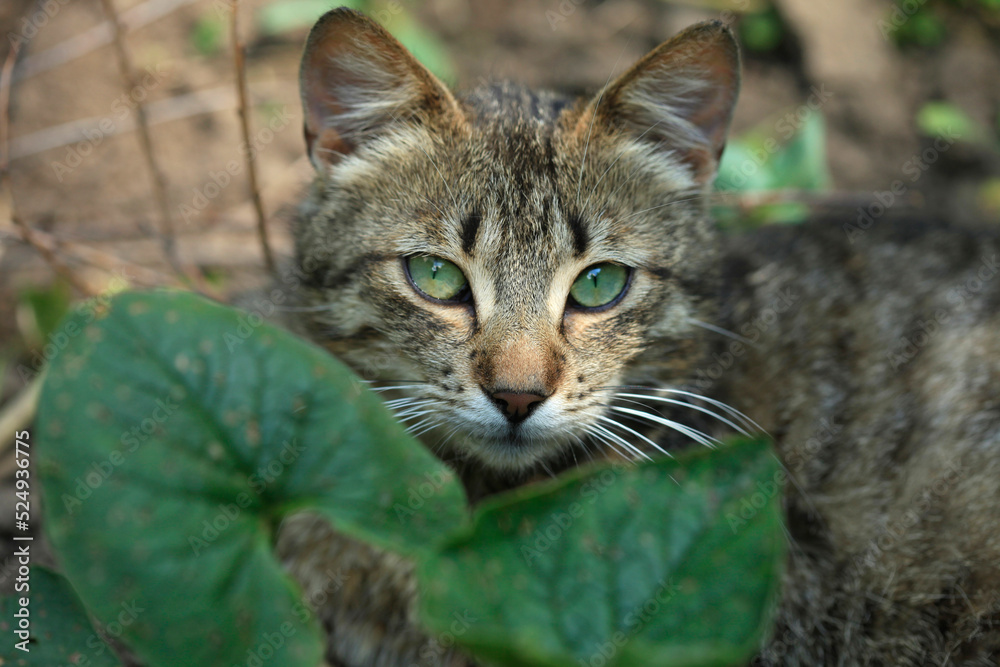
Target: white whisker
{"x":589,"y":430}
{"x":745,"y":420}
{"x":637,"y":434}
{"x":692,"y":433}
{"x":706,"y":411}
{"x":400,"y":386}
{"x":624,"y":443}
{"x":721,"y":331}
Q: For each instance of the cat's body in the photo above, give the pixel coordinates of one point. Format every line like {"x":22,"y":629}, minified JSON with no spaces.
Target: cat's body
{"x":874,"y":376}
{"x":876,"y":367}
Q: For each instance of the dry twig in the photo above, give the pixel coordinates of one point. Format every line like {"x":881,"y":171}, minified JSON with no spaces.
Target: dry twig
{"x":26,"y":231}
{"x":104,"y":261}
{"x":159,"y":180}
{"x":244,"y":111}
{"x":83,"y":43}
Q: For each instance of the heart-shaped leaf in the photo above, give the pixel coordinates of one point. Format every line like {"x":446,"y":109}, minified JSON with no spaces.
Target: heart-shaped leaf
{"x":674,"y":562}
{"x":60,"y":632}
{"x":175,"y":433}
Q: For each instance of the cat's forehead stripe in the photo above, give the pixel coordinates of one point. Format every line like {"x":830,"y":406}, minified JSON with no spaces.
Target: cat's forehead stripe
{"x":470,"y":228}
{"x":581,"y":238}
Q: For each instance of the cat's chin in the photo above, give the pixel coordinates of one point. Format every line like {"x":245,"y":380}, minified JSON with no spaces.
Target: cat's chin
{"x":512,"y":451}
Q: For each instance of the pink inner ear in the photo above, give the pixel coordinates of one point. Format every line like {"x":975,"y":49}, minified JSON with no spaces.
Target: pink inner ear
{"x":328,"y":147}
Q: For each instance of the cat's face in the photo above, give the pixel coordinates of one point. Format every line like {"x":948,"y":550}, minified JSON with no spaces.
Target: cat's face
{"x":509,"y":258}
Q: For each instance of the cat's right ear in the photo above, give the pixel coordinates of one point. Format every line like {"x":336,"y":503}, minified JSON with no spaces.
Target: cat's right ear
{"x":356,"y":81}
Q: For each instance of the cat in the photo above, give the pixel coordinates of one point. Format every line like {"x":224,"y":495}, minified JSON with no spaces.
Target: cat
{"x":528,"y":268}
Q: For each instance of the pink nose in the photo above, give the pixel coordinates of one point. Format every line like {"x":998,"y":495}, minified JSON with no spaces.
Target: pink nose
{"x":517,"y":407}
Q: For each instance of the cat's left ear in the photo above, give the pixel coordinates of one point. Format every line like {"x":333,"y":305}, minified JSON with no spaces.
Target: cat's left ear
{"x":680,"y":96}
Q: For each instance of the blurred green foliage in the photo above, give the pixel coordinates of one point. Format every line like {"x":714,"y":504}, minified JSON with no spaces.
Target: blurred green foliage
{"x":948,"y":121}
{"x":40,"y":309}
{"x":209,"y":34}
{"x":762,"y":32}
{"x":784,"y":154}
{"x":280,"y":18}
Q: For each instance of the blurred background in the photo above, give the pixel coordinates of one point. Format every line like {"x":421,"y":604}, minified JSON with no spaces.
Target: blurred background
{"x":855,"y":106}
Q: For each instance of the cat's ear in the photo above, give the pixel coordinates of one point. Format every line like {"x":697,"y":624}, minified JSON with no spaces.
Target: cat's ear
{"x":356,"y":80}
{"x":680,"y":96}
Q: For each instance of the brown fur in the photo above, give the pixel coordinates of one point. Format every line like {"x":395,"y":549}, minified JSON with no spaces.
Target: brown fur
{"x":525,"y":190}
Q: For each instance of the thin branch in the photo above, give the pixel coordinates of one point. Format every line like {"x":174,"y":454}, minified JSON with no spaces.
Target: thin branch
{"x":26,"y":231}
{"x":156,"y":173}
{"x":84,"y":42}
{"x":101,"y":260}
{"x":241,"y":89}
{"x":211,"y":100}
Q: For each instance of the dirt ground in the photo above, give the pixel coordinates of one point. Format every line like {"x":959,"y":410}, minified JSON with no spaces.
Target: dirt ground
{"x":78,"y":174}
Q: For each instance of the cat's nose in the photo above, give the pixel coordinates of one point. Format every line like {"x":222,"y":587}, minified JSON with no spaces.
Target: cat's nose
{"x":516,"y":406}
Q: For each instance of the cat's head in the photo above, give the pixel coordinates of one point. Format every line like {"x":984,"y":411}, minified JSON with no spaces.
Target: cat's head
{"x":509,"y":256}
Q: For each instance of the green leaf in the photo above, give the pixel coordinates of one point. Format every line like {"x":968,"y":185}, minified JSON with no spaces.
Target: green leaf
{"x":209,"y":34}
{"x":44,"y":308}
{"x":921,"y":29}
{"x":424,"y":46}
{"x":945,"y":120}
{"x":789,"y":152}
{"x":61,"y":633}
{"x":175,"y":434}
{"x":287,"y":16}
{"x":762,"y":32}
{"x":674,"y":562}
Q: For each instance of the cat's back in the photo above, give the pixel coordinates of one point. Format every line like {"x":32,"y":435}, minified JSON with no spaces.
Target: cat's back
{"x":874,"y":360}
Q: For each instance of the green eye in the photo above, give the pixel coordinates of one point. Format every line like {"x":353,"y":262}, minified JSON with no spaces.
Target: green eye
{"x":437,"y":278}
{"x":599,"y":285}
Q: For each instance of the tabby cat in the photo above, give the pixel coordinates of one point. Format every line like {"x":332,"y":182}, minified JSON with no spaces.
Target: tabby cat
{"x":540,"y":278}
